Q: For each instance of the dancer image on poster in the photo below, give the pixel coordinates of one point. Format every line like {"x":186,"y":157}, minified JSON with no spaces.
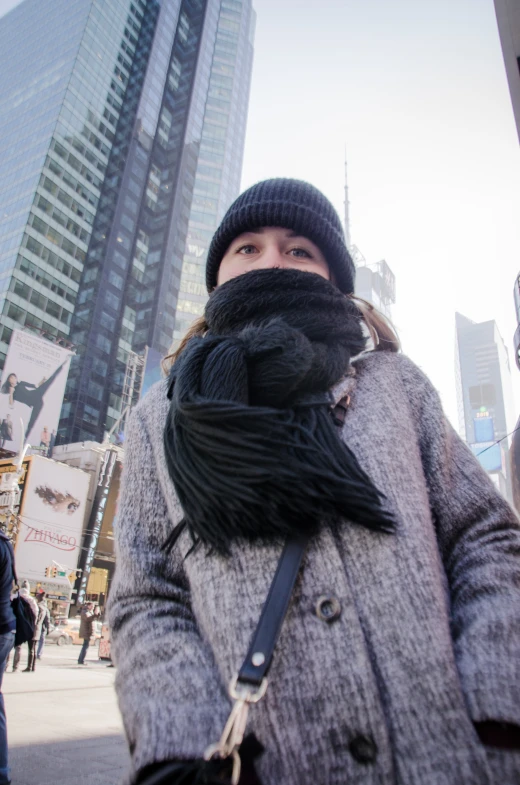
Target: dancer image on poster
{"x":29,"y":394}
{"x":6,"y":430}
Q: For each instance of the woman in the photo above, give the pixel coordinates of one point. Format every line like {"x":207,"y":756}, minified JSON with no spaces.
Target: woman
{"x":30,"y":394}
{"x":399,"y":659}
{"x":43,"y":613}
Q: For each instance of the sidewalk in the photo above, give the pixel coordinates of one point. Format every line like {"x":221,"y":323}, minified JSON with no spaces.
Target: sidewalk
{"x":63,"y":723}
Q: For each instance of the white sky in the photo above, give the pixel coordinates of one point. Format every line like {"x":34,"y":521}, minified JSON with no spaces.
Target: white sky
{"x":418,"y":93}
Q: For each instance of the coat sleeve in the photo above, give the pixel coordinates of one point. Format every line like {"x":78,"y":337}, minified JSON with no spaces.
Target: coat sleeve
{"x":170,"y":695}
{"x":479,"y":541}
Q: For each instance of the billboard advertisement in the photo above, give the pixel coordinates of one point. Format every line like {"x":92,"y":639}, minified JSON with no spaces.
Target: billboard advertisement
{"x":51,"y":518}
{"x":484,"y":429}
{"x":32,"y":388}
{"x":489,"y":455}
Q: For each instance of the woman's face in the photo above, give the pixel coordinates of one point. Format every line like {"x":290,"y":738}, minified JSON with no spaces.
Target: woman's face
{"x":270,"y":247}
{"x":12,"y":380}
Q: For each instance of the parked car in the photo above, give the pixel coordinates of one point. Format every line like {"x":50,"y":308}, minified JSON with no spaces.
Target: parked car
{"x":67,"y":632}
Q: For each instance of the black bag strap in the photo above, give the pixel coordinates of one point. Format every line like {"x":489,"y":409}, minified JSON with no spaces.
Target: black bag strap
{"x":260,"y":654}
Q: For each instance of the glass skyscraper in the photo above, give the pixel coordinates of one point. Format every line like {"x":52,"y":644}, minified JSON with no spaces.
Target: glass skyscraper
{"x":484,"y":395}
{"x":122,"y":135}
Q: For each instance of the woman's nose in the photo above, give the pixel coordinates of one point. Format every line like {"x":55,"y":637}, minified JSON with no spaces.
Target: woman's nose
{"x":272,"y":258}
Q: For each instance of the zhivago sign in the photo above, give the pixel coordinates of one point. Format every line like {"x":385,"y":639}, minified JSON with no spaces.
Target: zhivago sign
{"x":32,"y":388}
{"x":51,"y":518}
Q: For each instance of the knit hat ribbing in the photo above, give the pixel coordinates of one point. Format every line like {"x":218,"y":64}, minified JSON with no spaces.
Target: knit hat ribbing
{"x":291,"y":204}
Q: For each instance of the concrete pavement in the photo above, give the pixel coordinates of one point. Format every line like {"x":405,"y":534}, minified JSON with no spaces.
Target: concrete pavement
{"x":63,"y":723}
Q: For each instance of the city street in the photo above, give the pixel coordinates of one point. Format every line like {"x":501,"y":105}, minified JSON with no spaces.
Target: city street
{"x":63,"y":722}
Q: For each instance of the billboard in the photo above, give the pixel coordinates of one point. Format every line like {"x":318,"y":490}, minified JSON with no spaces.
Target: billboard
{"x":32,"y":388}
{"x":489,"y":455}
{"x":51,"y":518}
{"x":484,"y":429}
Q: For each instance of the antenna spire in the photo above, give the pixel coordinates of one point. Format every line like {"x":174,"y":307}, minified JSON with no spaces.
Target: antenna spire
{"x":347,"y":206}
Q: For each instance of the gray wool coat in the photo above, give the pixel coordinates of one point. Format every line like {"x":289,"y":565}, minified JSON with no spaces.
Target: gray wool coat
{"x":427,"y":641}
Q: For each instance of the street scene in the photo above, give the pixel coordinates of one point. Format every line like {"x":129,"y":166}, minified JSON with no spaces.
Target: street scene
{"x":64,"y":724}
{"x":259,"y":392}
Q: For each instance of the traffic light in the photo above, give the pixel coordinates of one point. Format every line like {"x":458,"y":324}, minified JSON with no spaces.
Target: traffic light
{"x":47,"y":572}
{"x":54,"y":571}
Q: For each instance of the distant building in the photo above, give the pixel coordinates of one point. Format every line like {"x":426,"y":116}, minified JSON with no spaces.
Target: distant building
{"x":376,"y":283}
{"x":508,"y":19}
{"x":484,"y":395}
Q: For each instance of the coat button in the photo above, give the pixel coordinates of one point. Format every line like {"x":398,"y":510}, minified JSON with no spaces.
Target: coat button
{"x":328,"y":608}
{"x":363,"y":749}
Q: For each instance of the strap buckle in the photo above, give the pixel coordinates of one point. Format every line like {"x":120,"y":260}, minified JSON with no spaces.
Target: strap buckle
{"x":243,"y":695}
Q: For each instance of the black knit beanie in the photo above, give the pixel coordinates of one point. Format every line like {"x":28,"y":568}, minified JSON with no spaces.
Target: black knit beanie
{"x":291,"y":204}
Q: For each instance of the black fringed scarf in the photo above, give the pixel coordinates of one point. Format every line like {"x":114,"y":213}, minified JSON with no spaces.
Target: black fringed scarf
{"x":250,"y":444}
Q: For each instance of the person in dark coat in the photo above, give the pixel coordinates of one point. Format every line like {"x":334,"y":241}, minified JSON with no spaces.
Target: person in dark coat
{"x":86,"y":628}
{"x":25,"y":592}
{"x":7,"y":633}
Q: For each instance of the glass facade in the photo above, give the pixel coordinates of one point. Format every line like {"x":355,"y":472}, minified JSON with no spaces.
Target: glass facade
{"x":60,"y":107}
{"x":129,"y":119}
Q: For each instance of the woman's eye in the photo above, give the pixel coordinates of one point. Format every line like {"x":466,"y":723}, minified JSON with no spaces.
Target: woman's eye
{"x":300,"y":253}
{"x":247,"y":249}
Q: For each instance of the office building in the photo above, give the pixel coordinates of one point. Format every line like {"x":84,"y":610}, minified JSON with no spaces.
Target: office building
{"x":376,"y":283}
{"x":484,"y":395}
{"x":121,"y":135}
{"x":508,"y":20}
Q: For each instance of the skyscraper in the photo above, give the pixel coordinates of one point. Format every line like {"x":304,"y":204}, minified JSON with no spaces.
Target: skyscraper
{"x":123,"y":129}
{"x":508,"y":19}
{"x":484,"y":394}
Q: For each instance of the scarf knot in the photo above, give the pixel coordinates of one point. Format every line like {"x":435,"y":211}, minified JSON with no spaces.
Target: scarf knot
{"x":249,"y":441}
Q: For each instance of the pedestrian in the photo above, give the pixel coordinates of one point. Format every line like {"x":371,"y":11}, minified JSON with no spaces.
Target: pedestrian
{"x":291,"y":416}
{"x":25,"y":592}
{"x":7,"y":635}
{"x":43,"y":613}
{"x":85,"y":630}
{"x":45,"y":627}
